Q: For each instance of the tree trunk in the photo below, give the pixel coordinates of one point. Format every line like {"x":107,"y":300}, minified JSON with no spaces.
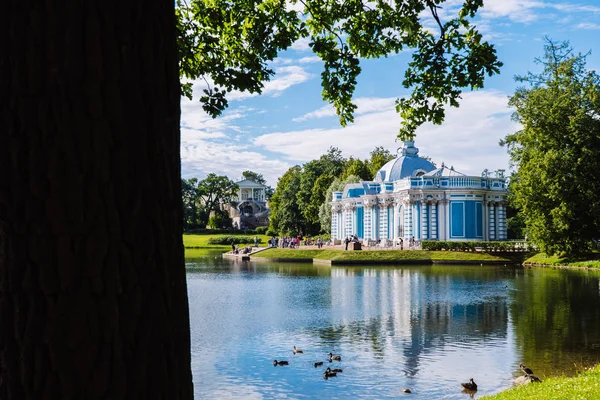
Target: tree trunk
{"x":93,"y":299}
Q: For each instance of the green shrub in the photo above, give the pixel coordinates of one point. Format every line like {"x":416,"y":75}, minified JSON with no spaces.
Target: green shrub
{"x":261,"y":230}
{"x":271,"y":232}
{"x":439,"y":245}
{"x":233,"y":239}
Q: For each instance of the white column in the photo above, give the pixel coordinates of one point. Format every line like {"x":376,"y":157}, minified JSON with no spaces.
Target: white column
{"x":441,"y":220}
{"x":433,"y":220}
{"x":484,"y":218}
{"x":501,"y":222}
{"x":408,"y":222}
{"x":492,"y":221}
{"x":448,"y":216}
{"x":423,"y":220}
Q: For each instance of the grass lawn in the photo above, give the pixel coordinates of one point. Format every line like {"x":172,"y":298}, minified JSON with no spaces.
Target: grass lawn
{"x":584,"y":386}
{"x":201,"y":241}
{"x":591,"y":260}
{"x":379,"y":255}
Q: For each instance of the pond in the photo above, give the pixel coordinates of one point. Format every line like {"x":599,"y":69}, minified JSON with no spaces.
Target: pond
{"x":427,"y":328}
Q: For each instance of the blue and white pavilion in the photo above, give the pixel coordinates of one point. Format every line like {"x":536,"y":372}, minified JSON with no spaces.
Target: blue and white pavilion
{"x":410,"y":197}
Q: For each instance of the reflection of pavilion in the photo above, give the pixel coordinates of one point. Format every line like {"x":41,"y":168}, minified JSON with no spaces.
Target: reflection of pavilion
{"x":250,"y":209}
{"x":415,"y":313}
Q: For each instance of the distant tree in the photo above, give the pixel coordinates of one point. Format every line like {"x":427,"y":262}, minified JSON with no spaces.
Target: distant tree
{"x":556,"y":152}
{"x":215,"y":190}
{"x":379,"y":157}
{"x":325,"y":208}
{"x":285,"y":217}
{"x":220,"y":219}
{"x":357,"y":167}
{"x":258,"y":178}
{"x":191,"y":203}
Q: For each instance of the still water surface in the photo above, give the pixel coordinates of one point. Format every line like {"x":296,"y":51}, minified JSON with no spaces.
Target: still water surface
{"x":426,"y":328}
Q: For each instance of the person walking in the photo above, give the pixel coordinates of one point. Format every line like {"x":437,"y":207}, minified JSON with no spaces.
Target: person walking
{"x":346,"y":242}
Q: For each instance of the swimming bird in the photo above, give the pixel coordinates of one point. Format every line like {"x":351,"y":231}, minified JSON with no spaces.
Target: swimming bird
{"x":318,"y":363}
{"x":328,"y":373}
{"x":525,"y":369}
{"x":406,"y":390}
{"x":276,"y":363}
{"x":337,"y":370}
{"x":471,"y":385}
{"x":334,"y":357}
{"x":297,"y":351}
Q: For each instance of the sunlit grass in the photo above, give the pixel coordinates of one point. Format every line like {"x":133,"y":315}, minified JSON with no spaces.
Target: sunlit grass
{"x":591,"y":260}
{"x":201,"y":241}
{"x":375,"y":255}
{"x":585,"y":386}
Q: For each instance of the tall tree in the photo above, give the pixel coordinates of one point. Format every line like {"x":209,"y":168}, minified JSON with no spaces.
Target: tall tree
{"x":379,"y":157}
{"x":357,"y":167}
{"x":93,"y":298}
{"x":215,"y":190}
{"x":90,"y":191}
{"x":191,"y":203}
{"x":556,"y":152}
{"x":285,"y":217}
{"x":228,"y":42}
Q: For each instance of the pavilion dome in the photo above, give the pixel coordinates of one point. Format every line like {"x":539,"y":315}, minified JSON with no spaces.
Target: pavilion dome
{"x":408,"y":163}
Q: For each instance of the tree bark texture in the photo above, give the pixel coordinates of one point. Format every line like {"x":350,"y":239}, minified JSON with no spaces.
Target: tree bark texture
{"x":93,"y":299}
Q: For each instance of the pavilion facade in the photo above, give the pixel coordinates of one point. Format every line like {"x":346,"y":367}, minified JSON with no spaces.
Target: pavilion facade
{"x":410,"y":197}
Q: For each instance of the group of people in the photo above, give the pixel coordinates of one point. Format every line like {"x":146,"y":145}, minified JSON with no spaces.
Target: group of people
{"x":294,"y":242}
{"x":235,"y":249}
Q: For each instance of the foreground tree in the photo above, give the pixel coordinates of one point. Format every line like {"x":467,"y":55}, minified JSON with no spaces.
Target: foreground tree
{"x":227,"y":43}
{"x":557,"y":153}
{"x":93,"y":300}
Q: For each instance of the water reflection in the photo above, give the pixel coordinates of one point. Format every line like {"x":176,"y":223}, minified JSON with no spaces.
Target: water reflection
{"x":428,"y":328}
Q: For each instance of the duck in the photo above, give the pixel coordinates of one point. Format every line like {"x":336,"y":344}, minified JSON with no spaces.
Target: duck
{"x":337,"y":370}
{"x":471,"y":385}
{"x":406,"y":390}
{"x":334,"y":357}
{"x":297,"y":351}
{"x":532,"y":378}
{"x":282,"y":362}
{"x":328,"y":373}
{"x":525,"y":369}
{"x":318,"y":364}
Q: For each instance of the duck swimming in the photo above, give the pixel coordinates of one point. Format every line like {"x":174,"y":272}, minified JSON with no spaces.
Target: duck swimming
{"x":471,"y":385}
{"x":297,"y":351}
{"x":318,"y":363}
{"x":337,"y":370}
{"x":276,"y":363}
{"x":328,"y":373}
{"x":334,"y":357}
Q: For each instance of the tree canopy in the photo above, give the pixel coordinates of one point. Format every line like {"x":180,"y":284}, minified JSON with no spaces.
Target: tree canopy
{"x":557,"y":152}
{"x":229,"y":45}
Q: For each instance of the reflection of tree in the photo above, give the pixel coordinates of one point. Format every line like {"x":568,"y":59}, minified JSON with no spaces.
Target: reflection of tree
{"x":557,"y":319}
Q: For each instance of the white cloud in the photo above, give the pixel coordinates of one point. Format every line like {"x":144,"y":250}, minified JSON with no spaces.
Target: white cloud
{"x":308,"y":60}
{"x":468,"y":139}
{"x":364,"y":105}
{"x":588,"y":26}
{"x":301,"y":44}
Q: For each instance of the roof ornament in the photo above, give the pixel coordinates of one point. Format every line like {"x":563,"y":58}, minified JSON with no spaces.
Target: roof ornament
{"x":409,"y":149}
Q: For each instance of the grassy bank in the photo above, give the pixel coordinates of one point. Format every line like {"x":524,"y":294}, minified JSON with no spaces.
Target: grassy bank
{"x":201,"y":241}
{"x":584,"y":386}
{"x":387,"y":255}
{"x":591,"y":260}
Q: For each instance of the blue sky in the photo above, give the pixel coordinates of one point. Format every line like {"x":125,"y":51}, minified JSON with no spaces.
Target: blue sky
{"x":290,"y":124}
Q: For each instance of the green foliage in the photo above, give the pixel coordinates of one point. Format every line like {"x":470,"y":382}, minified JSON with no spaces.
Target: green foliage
{"x":200,"y":198}
{"x":271,"y":232}
{"x":261,"y":230}
{"x":220,"y":220}
{"x":557,"y":151}
{"x":285,"y":216}
{"x":358,"y":168}
{"x":379,"y":157}
{"x":441,"y":245}
{"x":228,"y":240}
{"x":229,"y":44}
